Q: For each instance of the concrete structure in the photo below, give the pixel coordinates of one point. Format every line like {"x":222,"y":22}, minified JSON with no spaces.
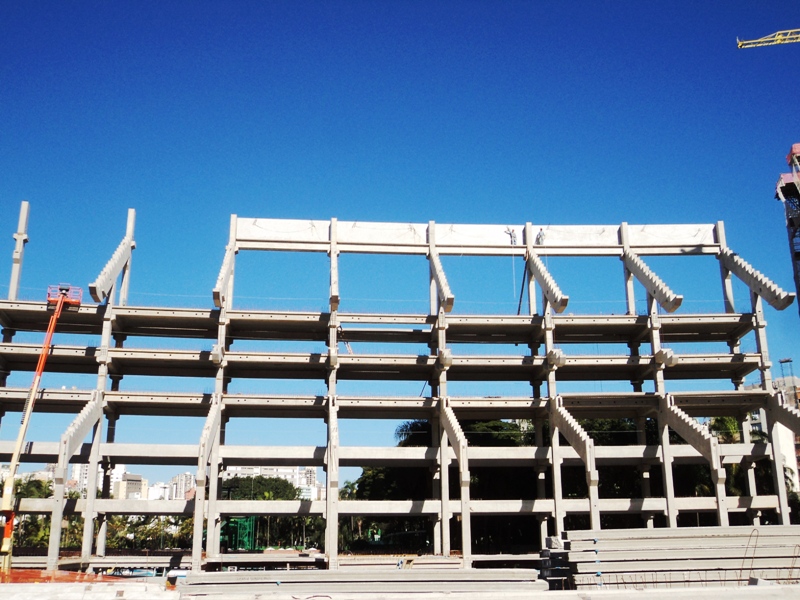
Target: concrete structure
{"x":655,"y":355}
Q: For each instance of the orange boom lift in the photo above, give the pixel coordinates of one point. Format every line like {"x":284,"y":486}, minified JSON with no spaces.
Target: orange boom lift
{"x":59,"y":295}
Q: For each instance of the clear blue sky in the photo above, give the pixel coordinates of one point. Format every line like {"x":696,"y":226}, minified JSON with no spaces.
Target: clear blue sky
{"x":473,"y":112}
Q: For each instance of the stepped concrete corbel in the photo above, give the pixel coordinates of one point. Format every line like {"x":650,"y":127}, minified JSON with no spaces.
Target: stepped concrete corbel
{"x":583,"y":444}
{"x":71,"y":440}
{"x":666,"y":357}
{"x":701,"y":440}
{"x":459,"y":443}
{"x":758,"y":283}
{"x":20,"y":239}
{"x":784,"y":413}
{"x":558,"y":300}
{"x":669,"y":300}
{"x":120,"y":263}
{"x":223,"y":289}
{"x":206,"y":446}
{"x":445,"y":296}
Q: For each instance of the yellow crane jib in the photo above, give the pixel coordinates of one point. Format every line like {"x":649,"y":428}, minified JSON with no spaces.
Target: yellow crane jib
{"x":780,"y":37}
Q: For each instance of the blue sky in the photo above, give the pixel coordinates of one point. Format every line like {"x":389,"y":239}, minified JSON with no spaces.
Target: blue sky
{"x":460,"y":112}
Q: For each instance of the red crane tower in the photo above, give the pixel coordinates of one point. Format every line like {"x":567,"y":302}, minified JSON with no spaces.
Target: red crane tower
{"x":788,"y":192}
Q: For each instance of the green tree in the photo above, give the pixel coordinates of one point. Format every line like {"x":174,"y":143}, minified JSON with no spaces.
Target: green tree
{"x":258,"y":488}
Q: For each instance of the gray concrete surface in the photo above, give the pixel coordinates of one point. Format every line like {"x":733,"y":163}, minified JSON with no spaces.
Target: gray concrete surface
{"x":156,"y":591}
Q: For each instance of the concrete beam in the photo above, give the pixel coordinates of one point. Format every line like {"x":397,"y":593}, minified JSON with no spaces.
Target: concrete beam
{"x":100,"y":288}
{"x":584,"y":446}
{"x":80,"y":427}
{"x":539,"y":271}
{"x":758,"y":283}
{"x":669,"y":300}
{"x":690,"y":430}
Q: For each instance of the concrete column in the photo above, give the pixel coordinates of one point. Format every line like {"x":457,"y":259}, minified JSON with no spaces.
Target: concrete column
{"x":779,"y":450}
{"x":102,"y":533}
{"x":440,"y":477}
{"x":558,"y":499}
{"x":654,"y":324}
{"x":8,"y":337}
{"x":105,"y":492}
{"x":332,"y":481}
{"x":634,"y":352}
{"x":20,"y":239}
{"x":727,"y":286}
{"x":443,"y":459}
{"x":666,"y":469}
{"x":466,"y":519}
{"x":199,"y":518}
{"x":54,"y":545}
{"x":747,"y":464}
{"x":89,"y":514}
{"x":214,"y":527}
{"x":542,"y":530}
{"x":644,"y":468}
{"x":760,"y":330}
{"x":718,"y":478}
{"x":630,"y":296}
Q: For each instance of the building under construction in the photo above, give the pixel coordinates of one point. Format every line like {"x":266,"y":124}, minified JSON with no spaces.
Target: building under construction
{"x":663,"y":369}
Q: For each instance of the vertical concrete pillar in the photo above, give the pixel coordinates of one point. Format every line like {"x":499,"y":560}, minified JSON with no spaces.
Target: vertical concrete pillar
{"x":666,"y":470}
{"x":727,"y":285}
{"x":56,"y":517}
{"x":20,"y":239}
{"x":125,"y":275}
{"x":332,"y":481}
{"x":749,"y":465}
{"x":466,"y":518}
{"x":214,"y":526}
{"x":89,"y":514}
{"x":779,"y":449}
{"x":555,"y":461}
{"x":199,"y":522}
{"x":644,"y":468}
{"x":105,"y":493}
{"x":630,"y":297}
{"x":445,"y":513}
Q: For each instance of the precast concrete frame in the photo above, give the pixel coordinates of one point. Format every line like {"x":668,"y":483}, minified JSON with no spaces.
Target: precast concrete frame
{"x":546,"y":331}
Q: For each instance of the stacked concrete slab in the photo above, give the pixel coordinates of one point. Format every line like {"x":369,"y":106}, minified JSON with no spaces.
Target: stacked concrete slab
{"x":666,"y":558}
{"x":550,"y":341}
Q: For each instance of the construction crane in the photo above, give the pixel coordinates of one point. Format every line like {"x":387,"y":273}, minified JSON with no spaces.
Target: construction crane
{"x":788,"y":192}
{"x":58,"y":295}
{"x":780,"y":37}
